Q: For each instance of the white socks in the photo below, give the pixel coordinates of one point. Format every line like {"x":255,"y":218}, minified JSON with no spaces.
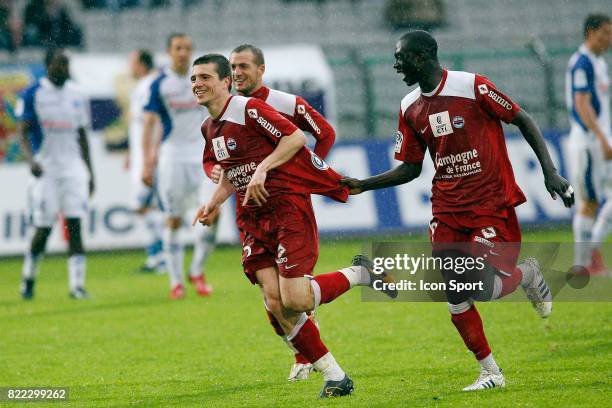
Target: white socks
{"x":330,"y":369}
{"x":356,"y":275}
{"x":528,"y":274}
{"x":202,"y":247}
{"x":488,"y":363}
{"x":583,"y":227}
{"x":30,"y":265}
{"x":603,"y":225}
{"x":76,"y":271}
{"x":174,"y":252}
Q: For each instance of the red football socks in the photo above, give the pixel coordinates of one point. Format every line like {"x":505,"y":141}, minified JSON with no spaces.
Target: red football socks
{"x":332,"y":285}
{"x":308,"y":342}
{"x":510,"y":283}
{"x":469,"y":326}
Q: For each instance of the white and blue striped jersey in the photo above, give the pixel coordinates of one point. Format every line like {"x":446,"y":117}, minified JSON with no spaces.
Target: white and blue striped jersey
{"x":55,"y":115}
{"x":171,"y":98}
{"x":587,"y":72}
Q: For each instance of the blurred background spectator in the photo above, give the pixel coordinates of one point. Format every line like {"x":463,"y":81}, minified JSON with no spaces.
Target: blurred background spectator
{"x":414,"y":14}
{"x":10,"y":26}
{"x":48,"y":23}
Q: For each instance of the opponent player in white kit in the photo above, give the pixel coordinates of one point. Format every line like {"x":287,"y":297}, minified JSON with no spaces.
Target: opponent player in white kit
{"x":53,"y":116}
{"x":180,"y":176}
{"x":588,"y":102}
{"x":145,"y":199}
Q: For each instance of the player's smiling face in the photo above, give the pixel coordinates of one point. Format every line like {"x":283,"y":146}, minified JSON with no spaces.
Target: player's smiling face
{"x":405,"y":63}
{"x":206,"y":85}
{"x":246,"y":74}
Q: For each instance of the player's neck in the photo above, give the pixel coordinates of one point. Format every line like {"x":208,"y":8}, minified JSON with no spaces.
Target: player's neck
{"x":179,"y":70}
{"x":431,"y":79}
{"x":215,"y":108}
{"x":592,"y":48}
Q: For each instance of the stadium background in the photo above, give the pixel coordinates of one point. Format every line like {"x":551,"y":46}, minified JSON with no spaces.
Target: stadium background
{"x":103,"y":349}
{"x":338,"y":54}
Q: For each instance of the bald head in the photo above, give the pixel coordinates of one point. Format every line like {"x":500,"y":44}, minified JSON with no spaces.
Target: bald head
{"x":420,"y":42}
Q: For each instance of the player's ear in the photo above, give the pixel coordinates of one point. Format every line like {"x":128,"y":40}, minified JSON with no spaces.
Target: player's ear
{"x":262,"y":69}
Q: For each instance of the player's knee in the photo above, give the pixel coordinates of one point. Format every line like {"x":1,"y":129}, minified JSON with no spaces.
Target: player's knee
{"x":301,"y":303}
{"x":174,"y":222}
{"x":588,"y":208}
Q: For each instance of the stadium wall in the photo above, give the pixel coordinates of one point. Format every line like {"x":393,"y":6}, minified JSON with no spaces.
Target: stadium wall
{"x":111,"y":225}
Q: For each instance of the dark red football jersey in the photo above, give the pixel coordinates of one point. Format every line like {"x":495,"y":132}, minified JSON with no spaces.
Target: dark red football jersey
{"x":460,"y":123}
{"x":301,"y":114}
{"x":245,"y":133}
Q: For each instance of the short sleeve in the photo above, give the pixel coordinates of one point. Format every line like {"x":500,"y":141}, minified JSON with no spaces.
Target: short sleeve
{"x":24,"y":109}
{"x":493,"y":101}
{"x":154,"y":102}
{"x":310,"y":120}
{"x":208,"y":160}
{"x":266,"y":121}
{"x":583,"y":77}
{"x":409,"y":148}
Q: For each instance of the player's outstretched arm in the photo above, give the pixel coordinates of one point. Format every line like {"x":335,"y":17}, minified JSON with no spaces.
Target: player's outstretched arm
{"x":555,"y":184}
{"x":402,"y":174}
{"x":286,"y":148}
{"x":149,"y":146}
{"x":84,"y":145}
{"x":26,"y":148}
{"x":207,"y":214}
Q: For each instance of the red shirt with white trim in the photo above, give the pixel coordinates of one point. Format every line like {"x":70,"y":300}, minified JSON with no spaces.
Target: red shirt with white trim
{"x":301,"y":114}
{"x":245,"y":133}
{"x":460,"y":124}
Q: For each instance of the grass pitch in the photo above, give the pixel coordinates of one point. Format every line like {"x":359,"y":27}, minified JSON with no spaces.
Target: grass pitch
{"x":131,"y":346}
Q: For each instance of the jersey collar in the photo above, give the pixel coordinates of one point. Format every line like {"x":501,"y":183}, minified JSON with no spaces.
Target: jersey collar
{"x":218,"y":118}
{"x":585,"y":50}
{"x":438,"y":88}
{"x":262,"y":93}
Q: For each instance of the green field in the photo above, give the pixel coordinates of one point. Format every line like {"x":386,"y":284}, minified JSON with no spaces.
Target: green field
{"x":131,"y":346}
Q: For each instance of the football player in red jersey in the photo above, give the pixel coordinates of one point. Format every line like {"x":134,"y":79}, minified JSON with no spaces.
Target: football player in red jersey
{"x":265,"y":162}
{"x":248,"y":68}
{"x":457,"y":117}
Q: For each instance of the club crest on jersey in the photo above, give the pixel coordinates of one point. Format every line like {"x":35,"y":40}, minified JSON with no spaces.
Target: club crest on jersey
{"x":231,"y":143}
{"x":318,"y":162}
{"x":489,"y":232}
{"x":483,"y":89}
{"x":440,"y":124}
{"x":252,"y":113}
{"x":301,"y":109}
{"x":458,"y":122}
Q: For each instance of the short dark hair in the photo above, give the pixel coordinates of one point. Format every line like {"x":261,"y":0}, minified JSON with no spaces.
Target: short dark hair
{"x":594,"y":22}
{"x":51,"y":53}
{"x":421,"y":41}
{"x":171,"y":38}
{"x":222,"y":65}
{"x":146,"y":59}
{"x":257,"y":52}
